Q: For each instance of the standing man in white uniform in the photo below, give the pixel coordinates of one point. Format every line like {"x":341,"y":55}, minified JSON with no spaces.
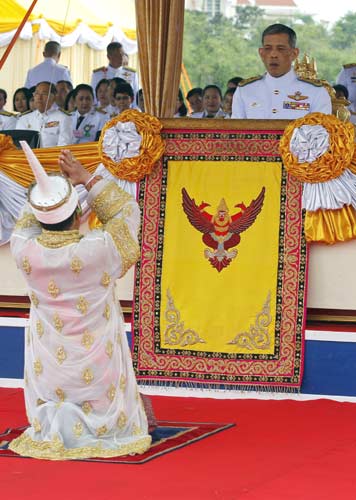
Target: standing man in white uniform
{"x":49,"y":70}
{"x":347,"y":77}
{"x":279,"y":93}
{"x":53,"y":124}
{"x":115,"y":53}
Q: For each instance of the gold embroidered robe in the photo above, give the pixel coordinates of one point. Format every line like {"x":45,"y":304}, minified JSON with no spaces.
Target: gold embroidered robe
{"x":80,"y":389}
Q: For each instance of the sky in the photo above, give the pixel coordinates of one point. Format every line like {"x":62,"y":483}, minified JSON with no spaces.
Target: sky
{"x":326,"y":10}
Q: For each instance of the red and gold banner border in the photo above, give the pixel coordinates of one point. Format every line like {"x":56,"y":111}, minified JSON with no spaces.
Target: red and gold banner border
{"x":155,"y":365}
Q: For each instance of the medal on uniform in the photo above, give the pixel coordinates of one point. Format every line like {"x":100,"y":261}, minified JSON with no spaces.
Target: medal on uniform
{"x":87,"y":129}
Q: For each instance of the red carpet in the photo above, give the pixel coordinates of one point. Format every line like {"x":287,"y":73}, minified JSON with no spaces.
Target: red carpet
{"x":279,"y":450}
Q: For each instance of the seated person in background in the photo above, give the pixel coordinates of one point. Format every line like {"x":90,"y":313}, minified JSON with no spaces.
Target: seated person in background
{"x":32,"y":99}
{"x":233,"y":82}
{"x":86,"y":120}
{"x":123,"y":96}
{"x":181,"y":108}
{"x":21,"y":100}
{"x":212,"y":102}
{"x":111,"y":108}
{"x":195,"y":99}
{"x":227,"y":101}
{"x":102,"y":94}
{"x":69,"y":103}
{"x":279,"y":93}
{"x":140,"y":101}
{"x":7,"y":120}
{"x":54,"y":125}
{"x":63,"y":88}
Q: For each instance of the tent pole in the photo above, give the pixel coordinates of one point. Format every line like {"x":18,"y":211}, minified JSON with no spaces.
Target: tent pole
{"x":17,"y":34}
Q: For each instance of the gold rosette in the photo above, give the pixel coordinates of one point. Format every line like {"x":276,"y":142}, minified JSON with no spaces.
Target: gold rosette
{"x":325,"y":225}
{"x":331,"y":164}
{"x":151,"y":149}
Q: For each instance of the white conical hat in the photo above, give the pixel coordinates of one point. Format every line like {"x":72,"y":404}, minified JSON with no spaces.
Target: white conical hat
{"x":52,"y":197}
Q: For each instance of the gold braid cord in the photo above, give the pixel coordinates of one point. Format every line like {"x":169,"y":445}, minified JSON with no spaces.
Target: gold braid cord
{"x":341,"y":154}
{"x":151,"y":150}
{"x":14,"y":164}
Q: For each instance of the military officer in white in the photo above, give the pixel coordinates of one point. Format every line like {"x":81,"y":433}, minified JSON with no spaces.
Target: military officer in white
{"x":115,"y":53}
{"x":7,"y":120}
{"x":54,"y":125}
{"x":347,"y":77}
{"x":87,"y":121}
{"x":279,"y":93}
{"x":49,"y":70}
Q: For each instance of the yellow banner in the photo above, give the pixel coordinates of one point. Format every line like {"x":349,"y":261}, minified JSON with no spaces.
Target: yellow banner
{"x":219,"y":295}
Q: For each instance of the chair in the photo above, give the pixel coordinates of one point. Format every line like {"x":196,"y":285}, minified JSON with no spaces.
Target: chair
{"x":30,"y":136}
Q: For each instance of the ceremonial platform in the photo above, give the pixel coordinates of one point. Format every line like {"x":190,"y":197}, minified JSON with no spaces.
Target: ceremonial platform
{"x":311,"y":348}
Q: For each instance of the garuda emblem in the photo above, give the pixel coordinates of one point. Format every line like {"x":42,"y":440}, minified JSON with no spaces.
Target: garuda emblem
{"x":221,"y":231}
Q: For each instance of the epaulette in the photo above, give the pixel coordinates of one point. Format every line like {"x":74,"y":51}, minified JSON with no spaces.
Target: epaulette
{"x":316,"y":83}
{"x":101,"y":110}
{"x":68,"y":113}
{"x":351,"y":65}
{"x":250,"y":80}
{"x":129,"y":69}
{"x":102,"y":68}
{"x":26,"y":112}
{"x":7,"y":113}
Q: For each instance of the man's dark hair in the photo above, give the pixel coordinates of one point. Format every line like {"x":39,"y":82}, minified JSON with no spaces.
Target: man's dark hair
{"x":277,"y":29}
{"x":230,"y":91}
{"x":52,"y":49}
{"x":69,"y":96}
{"x":117,"y":80}
{"x":51,"y":87}
{"x":212,"y":87}
{"x":341,"y":88}
{"x":4,"y":93}
{"x":124,"y":88}
{"x":112,"y":47}
{"x":68,"y":84}
{"x":101,"y":82}
{"x":235,"y":80}
{"x":194,"y":91}
{"x":64,"y":225}
{"x":82,"y":86}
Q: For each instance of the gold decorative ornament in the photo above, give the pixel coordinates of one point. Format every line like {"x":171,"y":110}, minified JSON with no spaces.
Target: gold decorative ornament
{"x":88,"y":376}
{"x":257,"y":337}
{"x":82,"y":305}
{"x":332,"y":163}
{"x":111,"y":392}
{"x":151,"y":149}
{"x":86,"y":407}
{"x":34,"y":299}
{"x":122,"y":420}
{"x":61,"y":354}
{"x":175,"y":333}
{"x":105,"y":280}
{"x":39,"y":328}
{"x":53,"y":289}
{"x":26,"y":266}
{"x":87,"y":340}
{"x":109,"y":348}
{"x":76,"y":265}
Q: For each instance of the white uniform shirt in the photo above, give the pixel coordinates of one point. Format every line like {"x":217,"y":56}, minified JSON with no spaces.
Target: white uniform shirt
{"x":7,"y":120}
{"x":286,"y":97}
{"x":54,"y":126}
{"x":108,"y":72}
{"x":47,"y":71}
{"x":347,"y":77}
{"x":93,"y":122}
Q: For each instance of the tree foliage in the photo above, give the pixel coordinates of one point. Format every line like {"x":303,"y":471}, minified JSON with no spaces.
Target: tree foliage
{"x":215,"y":50}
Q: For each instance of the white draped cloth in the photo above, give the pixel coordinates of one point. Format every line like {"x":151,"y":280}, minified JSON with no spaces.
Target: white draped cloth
{"x":81,"y":393}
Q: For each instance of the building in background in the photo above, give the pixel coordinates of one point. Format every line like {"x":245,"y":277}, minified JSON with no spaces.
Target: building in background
{"x":272,"y":8}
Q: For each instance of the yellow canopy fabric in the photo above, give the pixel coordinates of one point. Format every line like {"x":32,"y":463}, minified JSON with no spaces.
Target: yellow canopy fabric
{"x":65,"y":16}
